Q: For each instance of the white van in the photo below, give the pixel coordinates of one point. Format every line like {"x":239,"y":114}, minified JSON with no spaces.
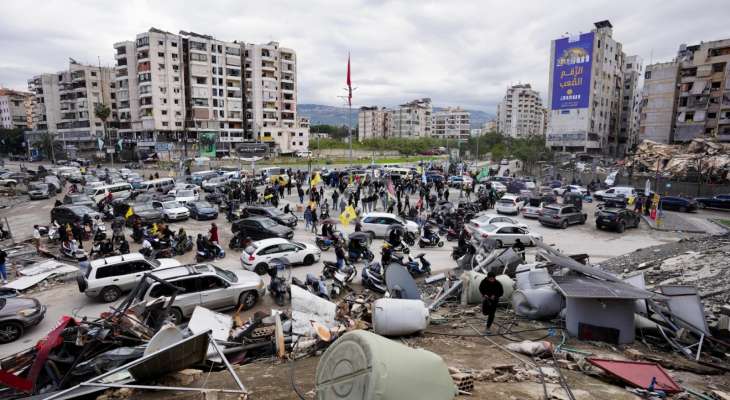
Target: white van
{"x":118,"y":191}
{"x":614,"y":193}
{"x":402,"y":172}
{"x":272,"y":171}
{"x":161,"y":185}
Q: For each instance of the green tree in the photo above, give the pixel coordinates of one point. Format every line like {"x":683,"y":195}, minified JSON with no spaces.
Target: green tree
{"x":103,"y":112}
{"x":11,"y":141}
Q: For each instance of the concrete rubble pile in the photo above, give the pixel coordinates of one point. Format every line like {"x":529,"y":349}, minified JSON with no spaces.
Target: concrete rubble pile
{"x":708,"y":158}
{"x":134,"y":346}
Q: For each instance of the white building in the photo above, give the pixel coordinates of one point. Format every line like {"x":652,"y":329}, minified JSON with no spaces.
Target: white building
{"x":412,"y":119}
{"x":270,"y":93}
{"x":451,"y":123}
{"x":373,"y":122}
{"x":585,"y":92}
{"x":521,"y":113}
{"x":15,"y":109}
{"x":631,"y":104}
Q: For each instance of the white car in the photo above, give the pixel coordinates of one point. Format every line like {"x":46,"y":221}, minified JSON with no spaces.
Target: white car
{"x":499,"y":187}
{"x":573,"y":188}
{"x":107,"y":278}
{"x":172,"y":210}
{"x":614,"y":193}
{"x":214,"y":183}
{"x":532,"y":211}
{"x":509,"y":204}
{"x":506,"y":234}
{"x":379,"y":224}
{"x":187,"y":196}
{"x":260,"y":254}
{"x":487,"y":219}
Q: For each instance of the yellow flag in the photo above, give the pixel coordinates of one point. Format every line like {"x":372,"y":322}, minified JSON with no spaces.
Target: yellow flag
{"x":316,"y":179}
{"x":348,"y":215}
{"x":129,"y":213}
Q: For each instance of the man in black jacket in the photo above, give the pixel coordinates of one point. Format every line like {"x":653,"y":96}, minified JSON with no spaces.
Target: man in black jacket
{"x":491,"y":291}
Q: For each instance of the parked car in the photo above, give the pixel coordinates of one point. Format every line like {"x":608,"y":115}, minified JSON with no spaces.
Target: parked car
{"x":78,"y":199}
{"x":617,"y":219}
{"x":38,"y":190}
{"x":498,"y":187}
{"x":214,"y":183}
{"x":172,"y":210}
{"x":258,"y":228}
{"x":506,"y":234}
{"x":259,"y":254}
{"x":509,"y":204}
{"x":107,"y":278}
{"x":533,"y":207}
{"x":7,"y":180}
{"x":678,"y":203}
{"x":379,"y":224}
{"x":70,"y":214}
{"x":459,"y":181}
{"x":272,"y":212}
{"x":614,"y":192}
{"x":206,"y":286}
{"x":573,"y":188}
{"x":18,"y":314}
{"x":185,"y":196}
{"x":201,"y":210}
{"x":721,"y":201}
{"x":143,"y":212}
{"x":561,"y":216}
{"x":487,"y":219}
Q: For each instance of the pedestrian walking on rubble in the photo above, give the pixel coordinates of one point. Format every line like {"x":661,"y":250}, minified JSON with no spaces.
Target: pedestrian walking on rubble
{"x":491,"y":291}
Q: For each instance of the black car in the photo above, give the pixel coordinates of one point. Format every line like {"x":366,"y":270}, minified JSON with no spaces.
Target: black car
{"x":258,"y":228}
{"x":78,"y":200}
{"x":200,"y":210}
{"x":721,"y":201}
{"x":678,"y":203}
{"x":617,"y":219}
{"x":271,"y":212}
{"x":69,"y":214}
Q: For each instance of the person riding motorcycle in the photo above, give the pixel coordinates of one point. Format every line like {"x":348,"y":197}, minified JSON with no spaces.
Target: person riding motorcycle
{"x":463,"y":237}
{"x":340,"y":254}
{"x":395,"y":236}
{"x":386,"y":254}
{"x":205,"y":245}
{"x":428,"y":233}
{"x":328,"y":230}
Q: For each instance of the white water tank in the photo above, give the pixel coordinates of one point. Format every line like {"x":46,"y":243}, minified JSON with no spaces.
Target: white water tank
{"x":395,"y":317}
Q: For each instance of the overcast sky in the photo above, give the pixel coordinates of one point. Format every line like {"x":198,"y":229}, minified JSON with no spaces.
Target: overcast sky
{"x":456,"y":52}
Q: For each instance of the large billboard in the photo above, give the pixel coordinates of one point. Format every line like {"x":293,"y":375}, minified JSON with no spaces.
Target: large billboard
{"x":572,"y":63}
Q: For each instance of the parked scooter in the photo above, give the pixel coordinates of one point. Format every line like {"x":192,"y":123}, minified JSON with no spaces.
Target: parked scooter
{"x":216,"y":251}
{"x":323,"y":242}
{"x":330,"y":268}
{"x":70,"y":249}
{"x":313,"y":284}
{"x":239,"y":242}
{"x":181,"y":246}
{"x":362,"y":255}
{"x":373,"y":277}
{"x":416,"y":268}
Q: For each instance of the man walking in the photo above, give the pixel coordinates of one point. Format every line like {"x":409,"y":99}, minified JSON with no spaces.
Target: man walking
{"x":3,"y":272}
{"x":491,"y":291}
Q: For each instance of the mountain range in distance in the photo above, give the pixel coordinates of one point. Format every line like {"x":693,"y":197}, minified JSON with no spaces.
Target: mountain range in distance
{"x":319,"y":114}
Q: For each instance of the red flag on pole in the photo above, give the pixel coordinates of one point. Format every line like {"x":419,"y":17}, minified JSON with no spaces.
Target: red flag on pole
{"x":349,"y":83}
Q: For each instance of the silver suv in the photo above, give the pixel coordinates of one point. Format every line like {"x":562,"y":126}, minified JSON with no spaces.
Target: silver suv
{"x":107,"y":278}
{"x":207,"y":286}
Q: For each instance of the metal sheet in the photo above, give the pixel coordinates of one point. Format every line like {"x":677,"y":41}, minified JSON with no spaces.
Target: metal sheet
{"x":567,"y":262}
{"x":177,"y":357}
{"x":308,"y":308}
{"x":638,"y":374}
{"x":399,"y":280}
{"x":46,"y":266}
{"x":576,"y":286}
{"x":26,"y":282}
{"x":684,"y":302}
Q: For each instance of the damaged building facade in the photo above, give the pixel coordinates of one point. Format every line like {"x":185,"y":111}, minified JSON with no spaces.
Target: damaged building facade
{"x":689,"y":97}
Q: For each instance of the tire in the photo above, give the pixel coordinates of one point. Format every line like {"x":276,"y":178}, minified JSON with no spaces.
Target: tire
{"x":110,"y":294}
{"x":248,"y":299}
{"x":420,"y":244}
{"x":308,"y":260}
{"x":564,"y":224}
{"x":440,"y":243}
{"x":10,"y":331}
{"x":233,"y":244}
{"x":499,"y":243}
{"x":176,"y":315}
{"x":261,"y":269}
{"x":166,"y":218}
{"x":599,"y":227}
{"x":583,"y":220}
{"x":372,"y":235}
{"x":701,"y":206}
{"x":621,"y":228}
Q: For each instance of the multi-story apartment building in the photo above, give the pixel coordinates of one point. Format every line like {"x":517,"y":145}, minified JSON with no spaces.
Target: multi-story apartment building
{"x":658,"y":105}
{"x":688,"y":97}
{"x":186,"y":87}
{"x":490,"y":126}
{"x":372,"y":122}
{"x":64,"y":105}
{"x":585,"y":92}
{"x":412,"y":119}
{"x":270,"y":95}
{"x":150,"y":97}
{"x":630,"y":104}
{"x":15,"y":109}
{"x":451,"y":123}
{"x":521,"y":114}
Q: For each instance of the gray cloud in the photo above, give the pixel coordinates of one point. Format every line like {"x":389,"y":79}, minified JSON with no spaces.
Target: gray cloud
{"x":456,"y":52}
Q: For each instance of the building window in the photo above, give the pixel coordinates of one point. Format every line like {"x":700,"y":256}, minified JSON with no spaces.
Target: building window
{"x":173,"y":44}
{"x":647,"y":75}
{"x":198,"y":57}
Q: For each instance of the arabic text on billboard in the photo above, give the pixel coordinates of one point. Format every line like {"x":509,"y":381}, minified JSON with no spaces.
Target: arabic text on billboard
{"x":572,"y":72}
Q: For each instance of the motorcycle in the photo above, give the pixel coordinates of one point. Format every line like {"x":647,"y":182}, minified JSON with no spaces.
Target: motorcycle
{"x":330,"y":268}
{"x":409,"y":238}
{"x":433,"y":241}
{"x":237,"y":242}
{"x":313,"y":284}
{"x":373,"y":277}
{"x":181,"y":246}
{"x":278,"y":286}
{"x":71,"y":250}
{"x":101,"y":248}
{"x":362,"y":255}
{"x":208,"y":255}
{"x":459,"y":251}
{"x":451,"y":234}
{"x":323,"y":242}
{"x":415,"y":268}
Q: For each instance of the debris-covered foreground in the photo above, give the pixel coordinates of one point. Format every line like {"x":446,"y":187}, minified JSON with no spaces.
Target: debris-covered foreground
{"x":564,"y":329}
